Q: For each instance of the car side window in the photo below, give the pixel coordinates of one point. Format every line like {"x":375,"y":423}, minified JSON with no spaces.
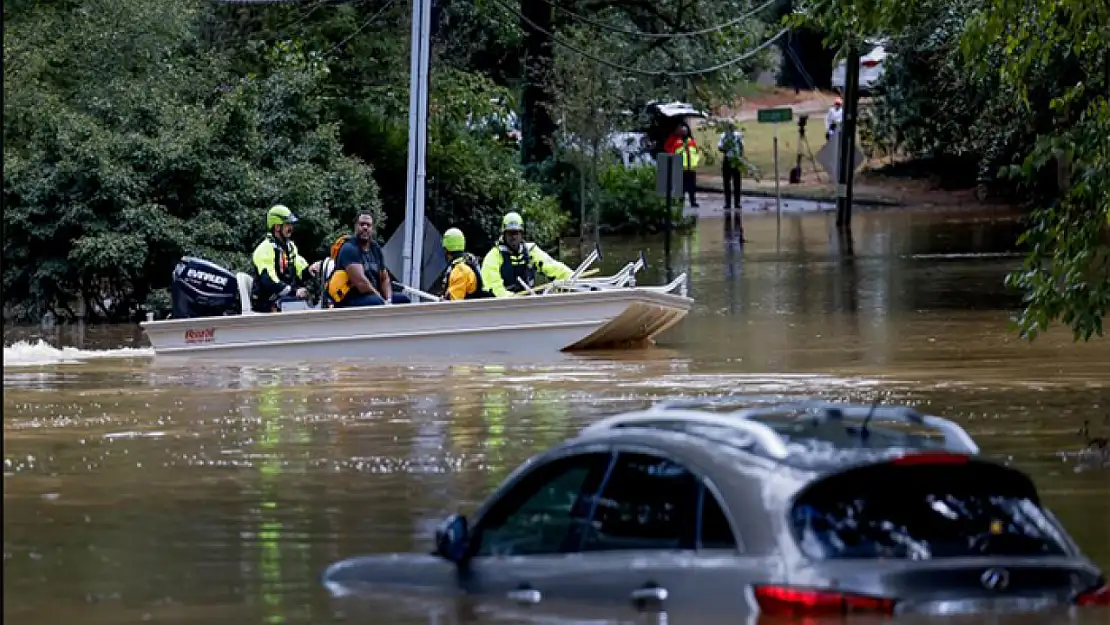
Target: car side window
{"x":648,"y":502}
{"x":716,"y":533}
{"x":546,"y":511}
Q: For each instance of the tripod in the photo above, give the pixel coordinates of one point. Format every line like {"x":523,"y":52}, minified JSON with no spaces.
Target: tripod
{"x":796,"y":172}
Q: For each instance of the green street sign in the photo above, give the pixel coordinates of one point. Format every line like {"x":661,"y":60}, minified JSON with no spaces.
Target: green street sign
{"x":774,"y":116}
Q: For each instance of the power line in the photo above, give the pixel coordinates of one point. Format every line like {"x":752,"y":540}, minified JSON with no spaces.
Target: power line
{"x":369,"y":20}
{"x":305,"y":15}
{"x":635,"y":70}
{"x":647,"y":35}
{"x":259,"y":2}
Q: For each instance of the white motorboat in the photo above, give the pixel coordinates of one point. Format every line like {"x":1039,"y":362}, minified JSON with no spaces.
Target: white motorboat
{"x":579,"y":313}
{"x":575,"y":314}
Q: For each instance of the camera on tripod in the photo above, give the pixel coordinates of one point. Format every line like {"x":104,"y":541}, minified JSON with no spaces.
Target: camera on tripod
{"x":796,"y":172}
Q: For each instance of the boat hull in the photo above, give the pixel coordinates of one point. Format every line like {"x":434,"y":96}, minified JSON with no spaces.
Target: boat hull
{"x":518,"y":326}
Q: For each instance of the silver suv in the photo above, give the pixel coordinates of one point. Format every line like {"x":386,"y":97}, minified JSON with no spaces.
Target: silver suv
{"x":802,"y":509}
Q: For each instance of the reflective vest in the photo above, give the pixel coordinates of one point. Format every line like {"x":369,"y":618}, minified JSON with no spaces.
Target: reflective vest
{"x":284,"y":268}
{"x":444,"y":280}
{"x":515,"y":266}
{"x":690,"y":155}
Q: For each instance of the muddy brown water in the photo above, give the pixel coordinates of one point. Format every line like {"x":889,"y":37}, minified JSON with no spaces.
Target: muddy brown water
{"x":139,"y":492}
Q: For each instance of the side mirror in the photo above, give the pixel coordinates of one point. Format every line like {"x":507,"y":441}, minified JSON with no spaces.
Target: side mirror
{"x":452,"y":536}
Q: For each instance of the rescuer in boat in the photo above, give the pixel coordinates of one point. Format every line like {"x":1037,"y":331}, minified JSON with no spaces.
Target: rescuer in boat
{"x":462,"y":279}
{"x":280,"y":272}
{"x":511,"y":258}
{"x":361,"y":277}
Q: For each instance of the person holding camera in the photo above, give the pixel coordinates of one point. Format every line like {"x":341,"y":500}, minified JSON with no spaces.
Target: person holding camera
{"x":731,"y":145}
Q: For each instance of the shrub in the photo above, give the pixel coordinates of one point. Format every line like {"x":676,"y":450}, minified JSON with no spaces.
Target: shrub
{"x":628,"y":203}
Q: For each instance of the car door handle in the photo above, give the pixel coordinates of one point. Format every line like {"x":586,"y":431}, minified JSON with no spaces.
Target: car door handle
{"x":525,"y":595}
{"x":650,"y":593}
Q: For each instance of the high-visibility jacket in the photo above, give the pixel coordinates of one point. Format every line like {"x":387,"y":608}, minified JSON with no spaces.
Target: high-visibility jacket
{"x":501,"y":268}
{"x":691,"y":156}
{"x":279,"y":269}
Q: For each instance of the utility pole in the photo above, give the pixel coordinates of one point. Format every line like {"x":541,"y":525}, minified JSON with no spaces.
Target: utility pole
{"x":412,"y":254}
{"x":847,"y":153}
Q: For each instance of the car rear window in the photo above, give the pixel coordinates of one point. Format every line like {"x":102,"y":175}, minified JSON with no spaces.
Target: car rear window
{"x":924,"y":511}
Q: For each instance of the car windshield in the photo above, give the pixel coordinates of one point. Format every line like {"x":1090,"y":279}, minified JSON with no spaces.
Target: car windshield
{"x":922,"y":512}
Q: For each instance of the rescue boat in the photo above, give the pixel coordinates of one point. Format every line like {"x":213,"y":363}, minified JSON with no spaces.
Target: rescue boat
{"x":212,"y":319}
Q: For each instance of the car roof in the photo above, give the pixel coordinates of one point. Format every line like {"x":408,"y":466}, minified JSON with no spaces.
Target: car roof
{"x":813,"y":436}
{"x":675,"y":109}
{"x":760,"y":458}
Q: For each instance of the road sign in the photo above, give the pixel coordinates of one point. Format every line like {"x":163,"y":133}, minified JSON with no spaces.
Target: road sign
{"x":674,"y":162}
{"x":827,"y":157}
{"x":774,"y":116}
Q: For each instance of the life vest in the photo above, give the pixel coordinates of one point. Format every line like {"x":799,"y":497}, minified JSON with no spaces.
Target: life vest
{"x":285,"y":269}
{"x":337,"y":282}
{"x":444,"y":280}
{"x":515,"y":266}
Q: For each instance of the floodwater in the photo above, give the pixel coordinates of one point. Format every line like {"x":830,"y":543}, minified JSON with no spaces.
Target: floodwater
{"x":139,"y":492}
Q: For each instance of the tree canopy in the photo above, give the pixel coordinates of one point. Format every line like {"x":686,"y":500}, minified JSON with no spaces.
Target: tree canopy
{"x":128,"y":144}
{"x":1021,"y":87}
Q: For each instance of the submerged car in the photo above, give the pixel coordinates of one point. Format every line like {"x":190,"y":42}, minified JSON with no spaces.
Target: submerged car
{"x":803,"y":509}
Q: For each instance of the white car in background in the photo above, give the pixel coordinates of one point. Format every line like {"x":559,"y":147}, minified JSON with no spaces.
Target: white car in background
{"x":871,"y":66}
{"x":633,"y":144}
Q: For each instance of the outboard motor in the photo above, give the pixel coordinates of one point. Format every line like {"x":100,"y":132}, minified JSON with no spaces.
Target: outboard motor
{"x":203,"y":289}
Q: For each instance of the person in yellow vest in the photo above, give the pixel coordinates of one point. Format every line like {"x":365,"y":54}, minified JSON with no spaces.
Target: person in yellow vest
{"x":687,"y":148}
{"x":280,"y":272}
{"x":462,"y":279}
{"x":511,"y":261}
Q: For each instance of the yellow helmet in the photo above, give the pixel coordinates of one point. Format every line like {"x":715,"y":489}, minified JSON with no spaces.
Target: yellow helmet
{"x":453,"y":240}
{"x":278,"y":215}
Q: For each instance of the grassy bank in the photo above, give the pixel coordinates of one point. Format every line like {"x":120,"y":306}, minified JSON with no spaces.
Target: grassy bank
{"x":878,"y":182}
{"x":759,"y":147}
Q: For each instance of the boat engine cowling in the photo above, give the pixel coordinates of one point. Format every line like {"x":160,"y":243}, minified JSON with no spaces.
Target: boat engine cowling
{"x":203,"y":289}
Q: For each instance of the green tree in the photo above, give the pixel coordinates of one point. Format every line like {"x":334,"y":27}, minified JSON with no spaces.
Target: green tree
{"x":1040,"y":71}
{"x":649,"y":32}
{"x":127,"y":145}
{"x":474,"y":175}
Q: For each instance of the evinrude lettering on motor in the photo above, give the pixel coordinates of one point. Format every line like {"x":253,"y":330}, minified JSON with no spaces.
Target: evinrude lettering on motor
{"x":207,"y":277}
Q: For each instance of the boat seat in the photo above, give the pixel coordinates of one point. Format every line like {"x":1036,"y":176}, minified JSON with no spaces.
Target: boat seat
{"x":327,"y":267}
{"x":246,"y":283}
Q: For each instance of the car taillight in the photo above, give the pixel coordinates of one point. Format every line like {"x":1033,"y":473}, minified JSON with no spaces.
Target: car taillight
{"x":930,"y":458}
{"x":784,"y":600}
{"x":869,"y":63}
{"x":1098,"y":596}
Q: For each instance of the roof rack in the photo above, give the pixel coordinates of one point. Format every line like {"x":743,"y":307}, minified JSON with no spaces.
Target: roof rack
{"x":772,"y":443}
{"x":766,"y":437}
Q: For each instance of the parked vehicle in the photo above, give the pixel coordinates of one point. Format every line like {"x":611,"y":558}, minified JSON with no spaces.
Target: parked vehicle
{"x":642,"y":135}
{"x":871,"y":67}
{"x":803,"y":509}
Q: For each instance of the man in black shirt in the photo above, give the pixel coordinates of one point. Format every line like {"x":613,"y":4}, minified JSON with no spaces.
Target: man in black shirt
{"x":361,"y":258}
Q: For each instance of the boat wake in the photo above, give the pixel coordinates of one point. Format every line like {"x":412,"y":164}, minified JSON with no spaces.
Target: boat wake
{"x":40,"y":353}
